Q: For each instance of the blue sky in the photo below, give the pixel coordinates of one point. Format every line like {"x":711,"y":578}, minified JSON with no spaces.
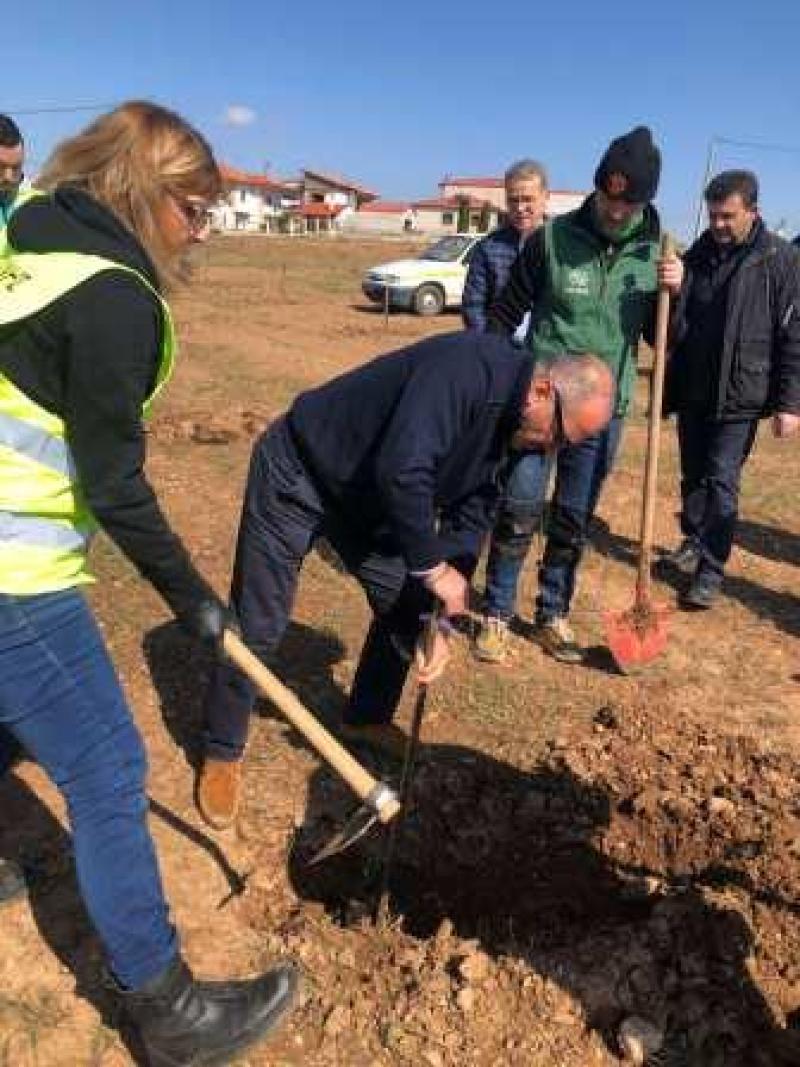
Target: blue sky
{"x":398,"y":95}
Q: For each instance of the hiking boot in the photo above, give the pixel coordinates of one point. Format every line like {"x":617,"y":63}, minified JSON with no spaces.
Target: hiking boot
{"x":384,"y":737}
{"x":702,"y":593}
{"x":183,"y":1022}
{"x":218,"y":792}
{"x":12,"y":882}
{"x":491,"y":644}
{"x":683,"y":559}
{"x":555,"y":636}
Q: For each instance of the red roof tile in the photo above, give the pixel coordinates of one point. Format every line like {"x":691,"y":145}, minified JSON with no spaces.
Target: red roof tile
{"x":386,"y":207}
{"x":468,"y":183}
{"x":313,"y":210}
{"x":341,"y":182}
{"x":232,"y":176}
{"x":497,"y":183}
{"x":450,"y":203}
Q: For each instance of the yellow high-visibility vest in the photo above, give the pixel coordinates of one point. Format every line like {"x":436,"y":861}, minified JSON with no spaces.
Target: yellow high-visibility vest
{"x":45,"y":525}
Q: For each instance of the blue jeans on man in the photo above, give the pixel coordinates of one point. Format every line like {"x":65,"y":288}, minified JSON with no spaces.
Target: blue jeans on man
{"x":580,"y":473}
{"x":61,"y":700}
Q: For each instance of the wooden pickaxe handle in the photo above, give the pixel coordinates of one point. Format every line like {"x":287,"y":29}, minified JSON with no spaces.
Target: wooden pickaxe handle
{"x":357,"y":777}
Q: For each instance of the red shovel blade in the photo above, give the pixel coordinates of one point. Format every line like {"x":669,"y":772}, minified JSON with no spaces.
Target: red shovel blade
{"x":638,"y":635}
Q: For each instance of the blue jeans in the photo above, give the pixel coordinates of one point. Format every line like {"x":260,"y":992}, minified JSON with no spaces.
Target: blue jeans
{"x":60,"y":699}
{"x":282,"y":515}
{"x":580,"y":473}
{"x":712,"y":456}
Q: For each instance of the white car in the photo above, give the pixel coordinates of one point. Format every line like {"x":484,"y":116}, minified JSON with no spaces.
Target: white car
{"x":428,"y":284}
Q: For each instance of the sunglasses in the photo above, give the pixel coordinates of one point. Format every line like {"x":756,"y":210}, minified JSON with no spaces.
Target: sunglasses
{"x":197,"y":216}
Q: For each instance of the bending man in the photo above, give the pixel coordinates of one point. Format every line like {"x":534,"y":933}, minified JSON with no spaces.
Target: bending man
{"x":395,"y":463}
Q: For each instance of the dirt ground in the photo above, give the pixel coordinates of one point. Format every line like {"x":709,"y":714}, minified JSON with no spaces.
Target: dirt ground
{"x":584,"y":846}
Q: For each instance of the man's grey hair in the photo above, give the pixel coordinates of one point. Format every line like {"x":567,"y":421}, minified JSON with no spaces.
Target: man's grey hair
{"x":578,"y":377}
{"x":525,"y":169}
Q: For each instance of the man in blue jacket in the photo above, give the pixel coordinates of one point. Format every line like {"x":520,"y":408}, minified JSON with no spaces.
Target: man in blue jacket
{"x":526,"y":202}
{"x":396,"y":464}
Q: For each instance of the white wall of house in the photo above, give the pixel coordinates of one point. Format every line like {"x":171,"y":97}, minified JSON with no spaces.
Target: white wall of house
{"x":435,"y":220}
{"x":389,"y":222}
{"x":324,"y":192}
{"x":248,"y":208}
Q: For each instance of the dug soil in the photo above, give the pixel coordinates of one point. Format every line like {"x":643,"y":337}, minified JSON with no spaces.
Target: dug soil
{"x":588,"y":856}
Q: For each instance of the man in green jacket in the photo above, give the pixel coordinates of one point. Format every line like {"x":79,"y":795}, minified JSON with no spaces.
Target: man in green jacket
{"x":589,"y":279}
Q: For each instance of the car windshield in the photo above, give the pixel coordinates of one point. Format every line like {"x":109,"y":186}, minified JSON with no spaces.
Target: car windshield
{"x":447,"y":249}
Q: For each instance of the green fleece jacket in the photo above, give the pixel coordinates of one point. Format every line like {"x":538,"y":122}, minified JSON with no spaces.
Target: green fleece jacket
{"x":585,"y":293}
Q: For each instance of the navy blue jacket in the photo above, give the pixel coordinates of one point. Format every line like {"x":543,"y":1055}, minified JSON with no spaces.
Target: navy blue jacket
{"x":488,"y":273}
{"x":415,"y":438}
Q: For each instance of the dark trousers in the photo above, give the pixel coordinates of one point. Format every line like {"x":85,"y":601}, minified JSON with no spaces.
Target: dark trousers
{"x":712,"y":456}
{"x":283,"y":514}
{"x":580,"y":473}
{"x":60,"y":699}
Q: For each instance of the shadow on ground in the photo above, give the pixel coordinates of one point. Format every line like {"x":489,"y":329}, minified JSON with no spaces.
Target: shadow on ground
{"x":32,"y":836}
{"x":780,"y":608}
{"x":181,"y":670}
{"x":512,"y":858}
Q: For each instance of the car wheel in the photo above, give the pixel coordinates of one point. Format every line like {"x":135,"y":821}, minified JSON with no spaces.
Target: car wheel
{"x":428,"y":300}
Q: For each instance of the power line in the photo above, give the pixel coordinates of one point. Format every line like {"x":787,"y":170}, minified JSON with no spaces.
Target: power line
{"x":765,"y":145}
{"x":64,"y":109}
{"x":714,"y":142}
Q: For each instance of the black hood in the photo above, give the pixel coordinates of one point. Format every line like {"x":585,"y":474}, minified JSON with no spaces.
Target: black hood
{"x":70,"y":220}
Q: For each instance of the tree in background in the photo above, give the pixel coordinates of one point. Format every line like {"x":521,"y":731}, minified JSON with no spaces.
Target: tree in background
{"x":463,"y":214}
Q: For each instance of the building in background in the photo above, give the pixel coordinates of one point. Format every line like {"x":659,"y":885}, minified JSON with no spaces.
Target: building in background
{"x":251,"y":202}
{"x":493,"y":190}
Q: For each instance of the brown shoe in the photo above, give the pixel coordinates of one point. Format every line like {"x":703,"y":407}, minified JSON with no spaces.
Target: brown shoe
{"x":218,"y":791}
{"x":383,"y":737}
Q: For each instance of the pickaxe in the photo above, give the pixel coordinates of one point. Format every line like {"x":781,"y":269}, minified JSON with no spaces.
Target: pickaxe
{"x":379,"y":801}
{"x":407,"y":777}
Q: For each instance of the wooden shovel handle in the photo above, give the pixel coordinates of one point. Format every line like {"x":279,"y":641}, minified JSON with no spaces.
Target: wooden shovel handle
{"x":357,"y":777}
{"x":653,"y":435}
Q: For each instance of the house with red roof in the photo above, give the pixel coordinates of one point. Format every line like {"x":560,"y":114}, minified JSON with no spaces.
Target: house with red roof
{"x":493,"y":190}
{"x":382,"y":217}
{"x":250,"y":201}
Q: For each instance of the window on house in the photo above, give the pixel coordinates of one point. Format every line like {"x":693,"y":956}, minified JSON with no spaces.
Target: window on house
{"x":448,"y":218}
{"x":242,"y":195}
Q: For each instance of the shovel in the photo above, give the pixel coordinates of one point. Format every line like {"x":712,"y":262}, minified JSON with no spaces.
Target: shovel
{"x":638,"y":635}
{"x":379,"y":801}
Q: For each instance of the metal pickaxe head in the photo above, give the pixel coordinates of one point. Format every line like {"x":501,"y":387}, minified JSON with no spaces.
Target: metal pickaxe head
{"x":380,"y":806}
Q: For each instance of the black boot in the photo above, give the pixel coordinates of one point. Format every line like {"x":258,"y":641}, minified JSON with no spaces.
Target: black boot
{"x":183,"y":1022}
{"x":12,"y":882}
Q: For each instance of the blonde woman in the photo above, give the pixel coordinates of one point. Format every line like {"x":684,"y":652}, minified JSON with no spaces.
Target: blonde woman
{"x":86,"y":342}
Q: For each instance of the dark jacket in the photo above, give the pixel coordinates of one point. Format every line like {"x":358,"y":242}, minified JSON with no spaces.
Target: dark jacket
{"x":489,"y":268}
{"x":415,"y":437}
{"x":757,"y":371}
{"x":91,"y":359}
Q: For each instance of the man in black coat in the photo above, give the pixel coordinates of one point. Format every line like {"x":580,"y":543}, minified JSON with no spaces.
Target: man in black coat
{"x":396,"y":464}
{"x":735,"y":360}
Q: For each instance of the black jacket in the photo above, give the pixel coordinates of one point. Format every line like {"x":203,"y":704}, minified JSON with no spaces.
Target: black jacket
{"x":91,"y":358}
{"x":757,"y":371}
{"x":415,"y":437}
